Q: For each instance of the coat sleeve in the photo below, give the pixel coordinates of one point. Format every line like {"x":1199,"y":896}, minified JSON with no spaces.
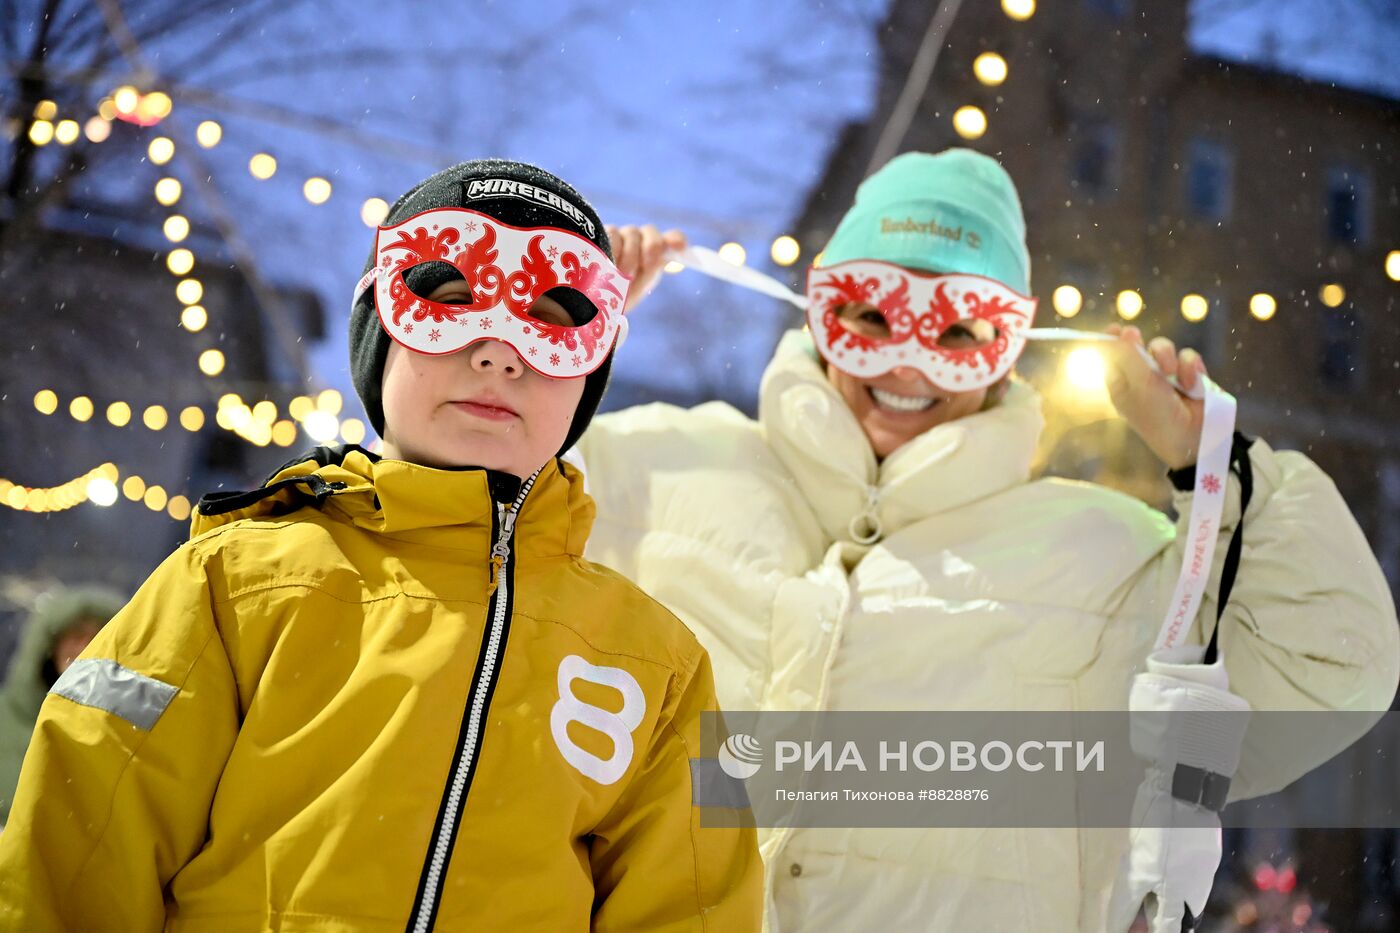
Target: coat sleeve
{"x":1310,"y":624}
{"x":654,"y":866}
{"x":115,"y":791}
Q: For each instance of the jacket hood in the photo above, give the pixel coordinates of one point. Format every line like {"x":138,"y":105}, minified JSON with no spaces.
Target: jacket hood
{"x":820,"y":441}
{"x":353,"y":485}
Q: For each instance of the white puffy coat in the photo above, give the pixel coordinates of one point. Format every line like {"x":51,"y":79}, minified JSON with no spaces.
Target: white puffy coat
{"x":984,"y":590}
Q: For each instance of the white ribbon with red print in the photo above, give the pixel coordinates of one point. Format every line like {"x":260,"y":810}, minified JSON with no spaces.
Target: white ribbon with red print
{"x":1212,"y":461}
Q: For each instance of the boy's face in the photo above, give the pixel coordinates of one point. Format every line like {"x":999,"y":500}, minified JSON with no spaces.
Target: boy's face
{"x":480,"y":406}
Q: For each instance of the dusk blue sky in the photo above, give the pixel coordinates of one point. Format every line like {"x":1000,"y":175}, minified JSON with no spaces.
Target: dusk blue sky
{"x":714,"y":117}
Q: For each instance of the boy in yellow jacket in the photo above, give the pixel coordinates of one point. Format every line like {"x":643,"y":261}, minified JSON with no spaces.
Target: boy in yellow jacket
{"x":388,"y":693}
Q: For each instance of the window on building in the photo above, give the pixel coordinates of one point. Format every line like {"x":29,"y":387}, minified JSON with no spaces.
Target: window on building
{"x":1116,"y":8}
{"x":1209,"y":167}
{"x":1095,"y":157}
{"x":1341,"y":365}
{"x":1348,"y":206}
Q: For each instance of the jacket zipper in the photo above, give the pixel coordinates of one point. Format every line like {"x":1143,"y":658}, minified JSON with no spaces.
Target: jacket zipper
{"x":502,"y":566}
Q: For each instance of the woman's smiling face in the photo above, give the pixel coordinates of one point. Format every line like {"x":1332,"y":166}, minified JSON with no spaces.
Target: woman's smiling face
{"x":898,"y":406}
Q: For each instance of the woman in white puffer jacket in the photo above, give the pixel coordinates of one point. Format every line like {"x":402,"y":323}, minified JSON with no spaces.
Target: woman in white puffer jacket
{"x":879,"y":545}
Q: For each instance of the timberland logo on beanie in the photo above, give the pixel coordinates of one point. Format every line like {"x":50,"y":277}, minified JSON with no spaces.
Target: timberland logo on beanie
{"x":508,"y":187}
{"x":933,"y":228}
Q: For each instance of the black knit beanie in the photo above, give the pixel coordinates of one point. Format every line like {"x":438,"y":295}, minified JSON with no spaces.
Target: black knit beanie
{"x":514,"y":193}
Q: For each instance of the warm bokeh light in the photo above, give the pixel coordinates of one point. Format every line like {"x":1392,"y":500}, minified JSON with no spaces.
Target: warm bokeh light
{"x":193,"y":318}
{"x":673,"y":267}
{"x":300,"y":407}
{"x":41,"y":132}
{"x":67,"y":132}
{"x":1392,"y":265}
{"x":101,"y":491}
{"x":192,"y":418}
{"x":161,"y":150}
{"x":352,"y":431}
{"x":45,"y":110}
{"x":785,"y":251}
{"x":1332,"y":295}
{"x":1085,"y":369}
{"x":208,"y":134}
{"x":990,"y":68}
{"x":733,"y":253}
{"x":125,"y":99}
{"x":97,"y":129}
{"x":1194,"y":308}
{"x":1018,"y":9}
{"x":373,"y":211}
{"x":329,"y":401}
{"x":168,"y":191}
{"x":119,"y":414}
{"x":1263,"y":306}
{"x":1130,"y":304}
{"x":321,"y":426}
{"x":134,"y":487}
{"x":80,"y":408}
{"x":284,"y":433}
{"x":970,"y":122}
{"x":155,"y":499}
{"x":155,"y":418}
{"x":176,"y":228}
{"x":265,"y":411}
{"x":211,"y":362}
{"x":317,"y":190}
{"x":180,"y":261}
{"x":262,"y":166}
{"x":189,"y":291}
{"x":1067,"y":300}
{"x":46,"y":401}
{"x":178,"y":508}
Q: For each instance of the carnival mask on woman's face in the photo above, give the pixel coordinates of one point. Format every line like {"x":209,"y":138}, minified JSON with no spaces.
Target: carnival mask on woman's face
{"x":507,"y":269}
{"x":962,"y":332}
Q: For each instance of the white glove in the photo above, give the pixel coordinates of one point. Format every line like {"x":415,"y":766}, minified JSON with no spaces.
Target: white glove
{"x":1190,"y":735}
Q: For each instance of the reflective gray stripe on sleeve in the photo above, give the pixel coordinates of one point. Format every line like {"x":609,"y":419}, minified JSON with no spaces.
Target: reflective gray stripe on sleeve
{"x":106,"y":685}
{"x":711,"y":787}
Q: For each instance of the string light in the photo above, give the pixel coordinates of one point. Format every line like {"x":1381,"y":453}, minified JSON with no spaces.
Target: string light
{"x":176,"y":228}
{"x":990,"y":68}
{"x":193,"y":318}
{"x":80,"y":408}
{"x":41,"y":132}
{"x":1067,"y":300}
{"x":1263,"y":306}
{"x":785,"y":250}
{"x":1392,"y":265}
{"x":155,"y":417}
{"x":1130,"y":304}
{"x":733,"y":253}
{"x":1019,"y":10}
{"x":211,"y":362}
{"x":180,"y":261}
{"x":161,"y":150}
{"x":317,"y":190}
{"x":45,"y":110}
{"x":119,"y":414}
{"x":45,"y":401}
{"x":970,"y":122}
{"x":67,"y":132}
{"x":1332,"y":295}
{"x":373,"y":211}
{"x":189,"y":291}
{"x":262,"y":166}
{"x":208,"y":134}
{"x":97,"y":129}
{"x":1194,"y":308}
{"x":329,"y":401}
{"x":192,"y":418}
{"x":168,"y":191}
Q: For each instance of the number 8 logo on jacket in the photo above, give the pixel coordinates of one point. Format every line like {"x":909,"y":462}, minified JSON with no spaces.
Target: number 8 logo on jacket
{"x":616,"y":726}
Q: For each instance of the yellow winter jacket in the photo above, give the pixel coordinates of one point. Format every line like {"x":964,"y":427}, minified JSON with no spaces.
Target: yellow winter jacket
{"x":372,"y":697}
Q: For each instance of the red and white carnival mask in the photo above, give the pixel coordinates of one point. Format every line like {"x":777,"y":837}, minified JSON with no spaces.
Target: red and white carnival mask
{"x":917,"y":310}
{"x":507,"y":268}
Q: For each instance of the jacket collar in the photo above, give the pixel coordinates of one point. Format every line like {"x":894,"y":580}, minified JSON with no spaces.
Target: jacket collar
{"x":817,"y":437}
{"x":410,"y":500}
